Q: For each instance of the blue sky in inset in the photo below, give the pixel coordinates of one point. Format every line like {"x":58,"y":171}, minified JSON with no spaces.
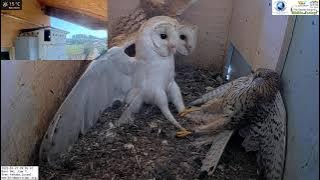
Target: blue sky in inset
{"x":76,"y":29}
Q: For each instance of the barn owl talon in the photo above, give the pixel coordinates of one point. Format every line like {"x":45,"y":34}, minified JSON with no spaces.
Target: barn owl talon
{"x":183,"y":133}
{"x":189,"y":110}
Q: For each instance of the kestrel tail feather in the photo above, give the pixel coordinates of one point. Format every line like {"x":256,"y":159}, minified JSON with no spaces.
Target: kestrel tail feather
{"x":268,"y":137}
{"x":273,"y":155}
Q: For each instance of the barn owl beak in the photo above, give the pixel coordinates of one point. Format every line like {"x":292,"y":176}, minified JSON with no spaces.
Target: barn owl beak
{"x":189,"y":48}
{"x":172,"y":48}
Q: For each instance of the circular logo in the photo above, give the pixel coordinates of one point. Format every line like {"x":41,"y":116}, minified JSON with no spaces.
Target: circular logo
{"x":280,"y":5}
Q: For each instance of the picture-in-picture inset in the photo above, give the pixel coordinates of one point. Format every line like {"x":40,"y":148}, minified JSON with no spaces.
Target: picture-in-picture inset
{"x":54,"y":30}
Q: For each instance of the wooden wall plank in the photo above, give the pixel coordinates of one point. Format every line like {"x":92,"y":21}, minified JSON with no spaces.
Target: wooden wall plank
{"x":261,"y":38}
{"x":31,"y":93}
{"x":213,"y":19}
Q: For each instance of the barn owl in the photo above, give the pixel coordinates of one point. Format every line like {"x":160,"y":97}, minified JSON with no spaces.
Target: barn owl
{"x":153,"y":75}
{"x":254,"y":104}
{"x":130,"y":23}
{"x":187,"y":41}
{"x":188,"y":34}
{"x":124,"y":54}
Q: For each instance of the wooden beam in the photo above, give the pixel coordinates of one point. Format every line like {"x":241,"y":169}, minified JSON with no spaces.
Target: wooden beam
{"x":76,"y":17}
{"x":94,"y":8}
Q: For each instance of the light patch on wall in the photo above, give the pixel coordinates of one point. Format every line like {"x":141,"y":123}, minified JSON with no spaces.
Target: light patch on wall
{"x":82,"y":43}
{"x":228,"y":76}
{"x":76,"y":29}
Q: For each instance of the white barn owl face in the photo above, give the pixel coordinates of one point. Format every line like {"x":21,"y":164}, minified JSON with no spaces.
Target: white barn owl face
{"x":164,"y":39}
{"x":187,"y":39}
{"x":159,"y":34}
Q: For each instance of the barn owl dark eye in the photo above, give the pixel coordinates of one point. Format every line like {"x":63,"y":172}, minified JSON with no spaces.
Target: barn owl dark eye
{"x":163,"y":36}
{"x":183,"y":37}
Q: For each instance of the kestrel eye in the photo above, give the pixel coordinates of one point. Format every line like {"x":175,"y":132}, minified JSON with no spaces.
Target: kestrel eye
{"x":183,"y":37}
{"x":163,"y":36}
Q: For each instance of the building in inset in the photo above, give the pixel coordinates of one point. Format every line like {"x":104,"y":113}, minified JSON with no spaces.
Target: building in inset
{"x":44,"y":43}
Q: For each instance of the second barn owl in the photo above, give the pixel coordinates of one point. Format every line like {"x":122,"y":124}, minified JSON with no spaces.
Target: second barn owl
{"x":146,"y":9}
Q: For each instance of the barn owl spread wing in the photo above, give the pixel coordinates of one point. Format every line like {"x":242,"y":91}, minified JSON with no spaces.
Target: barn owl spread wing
{"x":123,"y":62}
{"x":119,"y":57}
{"x":99,"y":86}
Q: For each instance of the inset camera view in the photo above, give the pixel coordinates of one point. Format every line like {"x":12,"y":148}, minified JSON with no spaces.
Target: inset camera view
{"x":54,"y":30}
